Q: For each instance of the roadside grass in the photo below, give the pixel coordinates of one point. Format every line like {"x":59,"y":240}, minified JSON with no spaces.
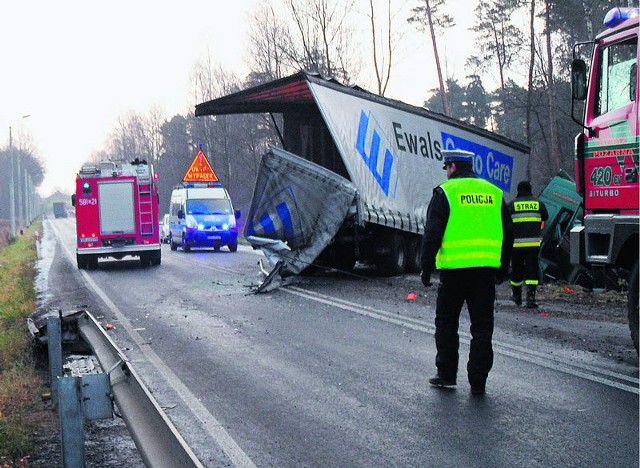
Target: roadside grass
{"x":21,"y":385}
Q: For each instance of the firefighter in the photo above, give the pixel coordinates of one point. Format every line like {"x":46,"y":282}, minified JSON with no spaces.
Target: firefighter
{"x":528,"y":215}
{"x":468,"y":237}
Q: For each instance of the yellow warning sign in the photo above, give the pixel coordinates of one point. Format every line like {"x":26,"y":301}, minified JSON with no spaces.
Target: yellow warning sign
{"x":200,"y":170}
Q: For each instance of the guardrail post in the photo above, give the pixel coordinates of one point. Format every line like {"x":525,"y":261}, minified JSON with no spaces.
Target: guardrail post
{"x":54,"y":345}
{"x":71,"y":421}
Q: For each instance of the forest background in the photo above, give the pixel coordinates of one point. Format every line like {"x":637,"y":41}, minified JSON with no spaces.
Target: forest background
{"x":517,"y":83}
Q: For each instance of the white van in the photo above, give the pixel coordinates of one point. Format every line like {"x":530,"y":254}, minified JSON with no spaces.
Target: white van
{"x":201,"y":215}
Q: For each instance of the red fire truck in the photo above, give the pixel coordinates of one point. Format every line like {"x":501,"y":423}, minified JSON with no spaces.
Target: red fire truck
{"x":606,"y":157}
{"x":116,"y":213}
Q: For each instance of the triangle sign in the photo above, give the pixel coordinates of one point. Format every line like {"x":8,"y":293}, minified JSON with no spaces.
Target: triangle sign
{"x":200,"y":170}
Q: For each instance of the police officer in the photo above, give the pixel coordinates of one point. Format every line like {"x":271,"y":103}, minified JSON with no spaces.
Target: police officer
{"x":527,"y":214}
{"x":468,"y":237}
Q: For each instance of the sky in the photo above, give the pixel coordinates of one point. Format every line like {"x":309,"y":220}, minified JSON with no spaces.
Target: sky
{"x":76,"y":66}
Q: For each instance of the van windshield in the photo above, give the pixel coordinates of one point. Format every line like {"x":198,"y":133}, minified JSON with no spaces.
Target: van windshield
{"x":208,"y":206}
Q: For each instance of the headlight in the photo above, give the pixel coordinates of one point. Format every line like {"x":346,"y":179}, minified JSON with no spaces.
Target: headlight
{"x":192,"y":224}
{"x":232,"y":221}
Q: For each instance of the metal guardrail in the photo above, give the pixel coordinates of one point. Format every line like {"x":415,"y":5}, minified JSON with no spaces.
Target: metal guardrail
{"x":159,"y":443}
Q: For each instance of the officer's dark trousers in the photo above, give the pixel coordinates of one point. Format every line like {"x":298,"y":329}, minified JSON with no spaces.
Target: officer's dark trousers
{"x":476,"y":287}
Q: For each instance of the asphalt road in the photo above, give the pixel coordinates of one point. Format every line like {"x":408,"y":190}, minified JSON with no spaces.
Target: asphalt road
{"x":332,"y":370}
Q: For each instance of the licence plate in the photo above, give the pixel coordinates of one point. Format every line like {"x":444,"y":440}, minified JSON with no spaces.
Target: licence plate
{"x":214,"y":237}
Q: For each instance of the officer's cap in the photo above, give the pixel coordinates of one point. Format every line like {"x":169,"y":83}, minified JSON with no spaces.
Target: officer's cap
{"x":451,"y":156}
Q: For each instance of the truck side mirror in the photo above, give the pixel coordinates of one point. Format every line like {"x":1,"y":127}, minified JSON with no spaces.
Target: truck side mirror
{"x":633,"y":76}
{"x":579,"y":79}
{"x":73,"y":199}
{"x":237,"y":214}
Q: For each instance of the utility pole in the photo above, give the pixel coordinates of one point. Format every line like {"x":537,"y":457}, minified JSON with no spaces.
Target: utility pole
{"x":12,"y":195}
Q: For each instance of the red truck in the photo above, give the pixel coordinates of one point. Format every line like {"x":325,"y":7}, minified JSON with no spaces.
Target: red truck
{"x":606,"y":153}
{"x":116,"y":213}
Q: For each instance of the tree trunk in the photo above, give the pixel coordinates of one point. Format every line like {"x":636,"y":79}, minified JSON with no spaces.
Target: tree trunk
{"x":555,"y":152}
{"x":532,"y":57}
{"x":443,"y":94}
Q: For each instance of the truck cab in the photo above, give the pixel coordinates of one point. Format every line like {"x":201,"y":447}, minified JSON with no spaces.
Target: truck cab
{"x":607,"y":151}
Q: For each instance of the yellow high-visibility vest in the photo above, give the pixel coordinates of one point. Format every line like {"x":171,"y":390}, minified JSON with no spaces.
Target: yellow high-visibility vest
{"x":527,"y":223}
{"x":473,"y":236}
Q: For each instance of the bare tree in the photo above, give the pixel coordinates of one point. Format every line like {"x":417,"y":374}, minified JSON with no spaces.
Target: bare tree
{"x":323,"y":35}
{"x":270,"y":45}
{"x":428,"y":15}
{"x":382,"y":65}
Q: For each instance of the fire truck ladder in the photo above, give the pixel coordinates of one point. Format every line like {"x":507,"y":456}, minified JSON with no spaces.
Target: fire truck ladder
{"x":145,"y":206}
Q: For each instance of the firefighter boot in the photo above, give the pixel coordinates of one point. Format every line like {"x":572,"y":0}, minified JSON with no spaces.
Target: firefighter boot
{"x":531,"y":297}
{"x":516,"y":294}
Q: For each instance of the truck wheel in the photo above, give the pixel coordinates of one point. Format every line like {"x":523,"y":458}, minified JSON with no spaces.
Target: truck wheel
{"x":414,"y":254}
{"x":632,"y":305}
{"x":156,"y":259}
{"x":173,"y":246}
{"x":390,"y":256}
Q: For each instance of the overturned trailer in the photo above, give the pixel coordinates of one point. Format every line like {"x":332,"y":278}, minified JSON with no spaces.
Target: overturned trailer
{"x":385,"y":154}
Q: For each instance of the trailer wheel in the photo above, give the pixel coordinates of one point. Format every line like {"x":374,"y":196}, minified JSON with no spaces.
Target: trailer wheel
{"x":414,"y":254}
{"x":390,"y":256}
{"x":632,"y":305}
{"x":173,"y":246}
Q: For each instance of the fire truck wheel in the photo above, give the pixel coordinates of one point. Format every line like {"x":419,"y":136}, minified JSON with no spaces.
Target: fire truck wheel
{"x":632,"y":305}
{"x":233,"y":247}
{"x":173,"y":246}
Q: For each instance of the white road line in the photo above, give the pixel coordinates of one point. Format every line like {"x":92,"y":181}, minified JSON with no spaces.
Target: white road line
{"x":575,"y":369}
{"x":208,"y":421}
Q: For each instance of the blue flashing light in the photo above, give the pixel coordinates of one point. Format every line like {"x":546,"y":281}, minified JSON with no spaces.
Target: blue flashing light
{"x":201,"y":184}
{"x":619,"y":15}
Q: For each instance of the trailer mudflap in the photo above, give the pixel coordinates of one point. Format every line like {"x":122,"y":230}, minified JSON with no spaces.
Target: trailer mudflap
{"x":296,"y":210}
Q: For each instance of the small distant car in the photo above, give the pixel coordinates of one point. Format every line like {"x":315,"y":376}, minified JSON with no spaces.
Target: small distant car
{"x":165,"y":230}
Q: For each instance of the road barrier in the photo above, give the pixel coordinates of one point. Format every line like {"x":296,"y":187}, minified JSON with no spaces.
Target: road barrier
{"x":86,"y":397}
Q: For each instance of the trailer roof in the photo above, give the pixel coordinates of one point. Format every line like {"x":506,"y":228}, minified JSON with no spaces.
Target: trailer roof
{"x":293,"y":92}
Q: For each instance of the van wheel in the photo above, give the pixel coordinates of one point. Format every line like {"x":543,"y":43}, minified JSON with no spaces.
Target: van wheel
{"x":173,"y":246}
{"x":632,"y":305}
{"x":233,"y":247}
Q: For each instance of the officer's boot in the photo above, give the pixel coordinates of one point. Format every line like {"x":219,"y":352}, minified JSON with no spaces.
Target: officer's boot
{"x":531,"y":297}
{"x":516,"y":294}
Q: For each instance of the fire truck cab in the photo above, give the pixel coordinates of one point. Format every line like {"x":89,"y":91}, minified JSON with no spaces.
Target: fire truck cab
{"x":116,"y":213}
